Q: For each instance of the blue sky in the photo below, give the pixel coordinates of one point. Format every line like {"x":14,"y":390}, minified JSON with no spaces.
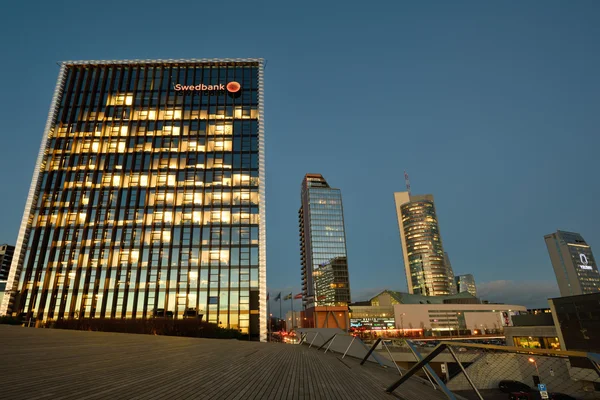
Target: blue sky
{"x":491,"y":106}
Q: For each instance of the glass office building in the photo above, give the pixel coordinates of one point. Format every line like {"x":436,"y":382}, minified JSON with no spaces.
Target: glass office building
{"x":466,"y":283}
{"x":424,"y":262}
{"x":573,"y":262}
{"x":325,"y":278}
{"x":148,"y":196}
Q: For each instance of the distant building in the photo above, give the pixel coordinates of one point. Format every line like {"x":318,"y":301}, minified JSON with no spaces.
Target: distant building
{"x":6,"y":256}
{"x":532,"y":331}
{"x":293,"y":319}
{"x":424,"y":263}
{"x":573,"y":262}
{"x":536,"y":311}
{"x":417,"y":315}
{"x":451,"y":279}
{"x":325,"y":278}
{"x":578,"y":322}
{"x":466,"y":283}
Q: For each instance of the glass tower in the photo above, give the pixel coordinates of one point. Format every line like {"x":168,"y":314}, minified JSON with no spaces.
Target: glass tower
{"x":148,"y":196}
{"x":466,"y":283}
{"x":573,"y":262}
{"x":424,"y":263}
{"x":323,"y":244}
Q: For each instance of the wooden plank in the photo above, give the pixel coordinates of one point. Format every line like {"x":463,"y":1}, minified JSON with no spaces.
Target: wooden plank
{"x":54,"y":364}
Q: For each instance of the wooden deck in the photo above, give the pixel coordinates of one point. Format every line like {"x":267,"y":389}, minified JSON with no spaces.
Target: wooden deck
{"x":59,"y":364}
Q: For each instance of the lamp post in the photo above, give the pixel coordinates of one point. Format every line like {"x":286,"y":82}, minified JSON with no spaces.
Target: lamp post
{"x":402,"y":323}
{"x":532,"y":360}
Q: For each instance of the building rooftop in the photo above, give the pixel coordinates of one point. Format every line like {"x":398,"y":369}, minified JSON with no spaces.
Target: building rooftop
{"x":407,"y":298}
{"x":53,"y":363}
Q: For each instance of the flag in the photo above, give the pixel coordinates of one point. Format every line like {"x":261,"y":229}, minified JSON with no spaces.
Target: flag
{"x":288,"y":297}
{"x":278,"y":297}
{"x":298,"y":296}
{"x":321,"y":297}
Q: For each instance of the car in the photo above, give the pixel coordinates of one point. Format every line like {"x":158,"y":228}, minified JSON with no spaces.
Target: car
{"x":508,"y":386}
{"x":519,"y":396}
{"x":560,"y":396}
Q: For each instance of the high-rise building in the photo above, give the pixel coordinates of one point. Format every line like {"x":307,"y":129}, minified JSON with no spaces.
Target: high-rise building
{"x":6,"y":256}
{"x":148,"y":196}
{"x":424,"y":263}
{"x":451,"y":280}
{"x":466,"y":283}
{"x":323,"y":244}
{"x":573,"y":262}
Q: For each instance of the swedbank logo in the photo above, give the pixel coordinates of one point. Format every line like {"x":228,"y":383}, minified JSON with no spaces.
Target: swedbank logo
{"x":233,"y":88}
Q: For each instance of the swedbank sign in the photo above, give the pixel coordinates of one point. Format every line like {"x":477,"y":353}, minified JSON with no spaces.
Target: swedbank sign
{"x":232,"y":88}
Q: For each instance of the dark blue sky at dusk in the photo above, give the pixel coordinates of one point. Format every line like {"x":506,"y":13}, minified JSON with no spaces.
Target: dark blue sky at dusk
{"x":493,"y":107}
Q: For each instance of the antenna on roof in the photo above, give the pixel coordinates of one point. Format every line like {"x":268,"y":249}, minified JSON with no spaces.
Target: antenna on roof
{"x":407,"y":181}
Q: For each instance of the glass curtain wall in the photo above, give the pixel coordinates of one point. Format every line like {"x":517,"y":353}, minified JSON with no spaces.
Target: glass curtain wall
{"x":148,"y":197}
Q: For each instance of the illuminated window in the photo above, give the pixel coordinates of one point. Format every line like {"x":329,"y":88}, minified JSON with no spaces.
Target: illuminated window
{"x":171,"y":130}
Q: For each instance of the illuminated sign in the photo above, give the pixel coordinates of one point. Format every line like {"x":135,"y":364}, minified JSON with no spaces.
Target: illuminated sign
{"x":231,"y":87}
{"x":584,"y":262}
{"x":372,"y":323}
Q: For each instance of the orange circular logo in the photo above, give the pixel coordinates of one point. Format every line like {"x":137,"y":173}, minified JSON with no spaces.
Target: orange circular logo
{"x":233,"y":87}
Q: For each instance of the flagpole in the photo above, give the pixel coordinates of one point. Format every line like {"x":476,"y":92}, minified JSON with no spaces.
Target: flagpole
{"x":293,"y":316}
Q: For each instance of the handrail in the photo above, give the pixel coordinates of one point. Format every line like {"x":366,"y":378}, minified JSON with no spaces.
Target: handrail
{"x":593,"y":357}
{"x":567,"y":353}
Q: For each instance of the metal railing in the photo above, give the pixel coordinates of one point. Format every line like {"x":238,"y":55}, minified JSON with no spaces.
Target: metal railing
{"x":494,"y":364}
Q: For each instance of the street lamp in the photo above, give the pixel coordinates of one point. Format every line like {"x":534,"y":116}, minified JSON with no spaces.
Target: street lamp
{"x":402,"y":323}
{"x":532,"y":360}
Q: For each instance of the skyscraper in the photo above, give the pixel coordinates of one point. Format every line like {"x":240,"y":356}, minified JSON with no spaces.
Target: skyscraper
{"x":148,"y":196}
{"x":6,"y":256}
{"x":424,"y":263}
{"x":325,"y":278}
{"x":466,"y":283}
{"x":451,"y":280}
{"x":573,"y":262}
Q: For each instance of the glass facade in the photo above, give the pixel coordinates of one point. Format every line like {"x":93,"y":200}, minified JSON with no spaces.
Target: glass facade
{"x":578,"y":318}
{"x":426,"y":270}
{"x":573,"y":262}
{"x":323,"y":244}
{"x":331,"y":282}
{"x":451,"y":279}
{"x":148,"y":200}
{"x":536,"y":342}
{"x":466,"y":283}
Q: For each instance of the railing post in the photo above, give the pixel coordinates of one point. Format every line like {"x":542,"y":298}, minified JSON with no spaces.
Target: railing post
{"x":302,"y":338}
{"x":312,"y":341}
{"x":392,"y":358}
{"x":327,"y":341}
{"x":465,"y":372}
{"x":370,"y":351}
{"x":423,"y":362}
{"x":427,"y":373}
{"x":330,"y":343}
{"x":350,"y":345}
